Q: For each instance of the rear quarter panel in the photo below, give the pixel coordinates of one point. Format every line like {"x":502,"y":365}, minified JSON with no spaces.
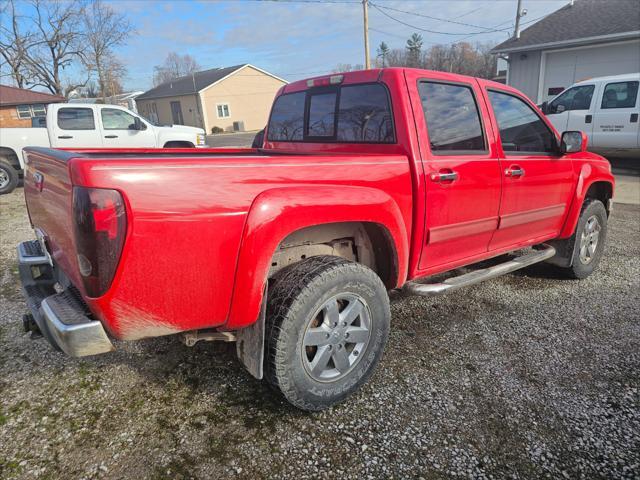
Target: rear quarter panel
{"x":185,"y":223}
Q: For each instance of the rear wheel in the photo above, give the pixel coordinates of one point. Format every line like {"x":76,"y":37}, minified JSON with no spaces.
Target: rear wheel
{"x":327,"y":325}
{"x":8,"y":177}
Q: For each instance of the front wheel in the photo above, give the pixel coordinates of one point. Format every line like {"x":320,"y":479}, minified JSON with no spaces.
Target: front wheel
{"x":327,"y":325}
{"x":588,"y":239}
{"x":8,"y":177}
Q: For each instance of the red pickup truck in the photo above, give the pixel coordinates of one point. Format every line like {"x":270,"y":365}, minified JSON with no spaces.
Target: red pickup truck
{"x":365,"y":182}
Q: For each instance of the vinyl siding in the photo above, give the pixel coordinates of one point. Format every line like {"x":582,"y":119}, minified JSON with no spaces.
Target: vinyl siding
{"x":188,"y":105}
{"x":249,"y":94}
{"x":524,"y":72}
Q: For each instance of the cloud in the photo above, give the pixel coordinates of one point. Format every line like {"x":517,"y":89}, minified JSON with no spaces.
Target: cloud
{"x":295,"y":40}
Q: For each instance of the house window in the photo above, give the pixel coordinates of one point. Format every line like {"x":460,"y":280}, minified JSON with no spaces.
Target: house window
{"x":29,"y":111}
{"x":38,"y":110}
{"x":223,"y":110}
{"x":24,"y":111}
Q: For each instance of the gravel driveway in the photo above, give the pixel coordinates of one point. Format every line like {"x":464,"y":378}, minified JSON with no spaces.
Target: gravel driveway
{"x":521,"y":377}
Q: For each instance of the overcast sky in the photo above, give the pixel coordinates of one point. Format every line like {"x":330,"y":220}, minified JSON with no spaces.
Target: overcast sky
{"x":300,"y":38}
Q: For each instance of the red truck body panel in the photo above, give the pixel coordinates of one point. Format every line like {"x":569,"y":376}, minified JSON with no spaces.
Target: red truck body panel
{"x":202,"y":226}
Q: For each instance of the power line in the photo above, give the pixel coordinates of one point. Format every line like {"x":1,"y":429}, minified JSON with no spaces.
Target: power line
{"x":447,"y":20}
{"x":428,"y":30}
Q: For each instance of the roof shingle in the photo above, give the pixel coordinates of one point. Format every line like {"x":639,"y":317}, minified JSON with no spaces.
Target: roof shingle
{"x":20,"y":96}
{"x":185,"y":85}
{"x":584,"y":19}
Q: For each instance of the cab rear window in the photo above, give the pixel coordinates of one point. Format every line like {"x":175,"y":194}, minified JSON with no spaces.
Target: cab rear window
{"x":346,"y":114}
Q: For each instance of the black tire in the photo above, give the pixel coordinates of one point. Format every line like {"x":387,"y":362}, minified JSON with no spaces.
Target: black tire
{"x":295,"y":296}
{"x":8,"y":177}
{"x":591,"y":209}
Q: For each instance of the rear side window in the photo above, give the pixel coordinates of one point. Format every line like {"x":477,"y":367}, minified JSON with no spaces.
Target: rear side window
{"x":348,"y":114}
{"x":452,"y":116}
{"x":620,"y":95}
{"x":521,"y":129}
{"x":76,"y":119}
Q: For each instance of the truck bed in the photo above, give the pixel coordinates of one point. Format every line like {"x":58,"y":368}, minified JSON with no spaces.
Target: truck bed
{"x":187,"y":213}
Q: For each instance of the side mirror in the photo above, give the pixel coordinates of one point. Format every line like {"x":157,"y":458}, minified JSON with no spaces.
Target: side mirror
{"x":137,"y":124}
{"x":544,"y":107}
{"x":573,"y":141}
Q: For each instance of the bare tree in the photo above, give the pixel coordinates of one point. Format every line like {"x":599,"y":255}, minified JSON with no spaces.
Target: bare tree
{"x":462,"y":57}
{"x":104,"y":29}
{"x":114,"y":73}
{"x":348,"y":67}
{"x":174,"y":66}
{"x":56,"y":45}
{"x":13,"y":44}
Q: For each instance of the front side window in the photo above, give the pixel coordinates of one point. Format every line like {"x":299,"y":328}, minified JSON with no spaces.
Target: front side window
{"x":24,"y":111}
{"x":76,"y":119}
{"x":358,"y":113}
{"x":223,"y":110}
{"x":114,"y":119}
{"x":453,"y":120}
{"x":576,"y":98}
{"x":521,"y":129}
{"x":620,"y":95}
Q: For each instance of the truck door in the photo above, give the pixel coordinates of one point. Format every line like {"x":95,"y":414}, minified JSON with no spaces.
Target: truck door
{"x":121,"y":130}
{"x":462,"y":170}
{"x":616,"y":116}
{"x":572,"y":110}
{"x":536,"y":180}
{"x":75,"y":127}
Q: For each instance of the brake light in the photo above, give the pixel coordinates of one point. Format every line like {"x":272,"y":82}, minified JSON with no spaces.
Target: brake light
{"x":100,"y":224}
{"x":326,"y":81}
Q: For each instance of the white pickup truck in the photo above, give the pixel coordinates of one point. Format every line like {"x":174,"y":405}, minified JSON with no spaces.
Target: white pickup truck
{"x":606,"y":109}
{"x":80,"y":125}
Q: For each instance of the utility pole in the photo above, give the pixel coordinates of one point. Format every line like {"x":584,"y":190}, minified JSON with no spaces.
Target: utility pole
{"x":520,"y":12}
{"x":365,"y":11}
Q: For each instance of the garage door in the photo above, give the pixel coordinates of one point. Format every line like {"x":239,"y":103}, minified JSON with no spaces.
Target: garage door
{"x":563,"y":68}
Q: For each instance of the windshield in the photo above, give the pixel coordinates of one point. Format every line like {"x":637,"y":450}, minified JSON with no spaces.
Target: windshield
{"x":347,"y":114}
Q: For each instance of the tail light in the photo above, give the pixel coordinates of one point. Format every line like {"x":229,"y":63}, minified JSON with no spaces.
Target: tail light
{"x":100,"y":224}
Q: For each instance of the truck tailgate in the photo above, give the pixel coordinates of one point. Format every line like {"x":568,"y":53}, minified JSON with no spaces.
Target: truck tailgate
{"x":48,"y":192}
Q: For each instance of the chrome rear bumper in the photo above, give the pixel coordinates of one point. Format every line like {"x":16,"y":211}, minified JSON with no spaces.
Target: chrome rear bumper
{"x":62,"y":317}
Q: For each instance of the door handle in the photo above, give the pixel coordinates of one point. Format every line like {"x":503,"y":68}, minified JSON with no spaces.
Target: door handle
{"x":111,"y":136}
{"x":514,"y":171}
{"x":633,"y":118}
{"x":65,"y":136}
{"x":588,"y":118}
{"x":447,"y":176}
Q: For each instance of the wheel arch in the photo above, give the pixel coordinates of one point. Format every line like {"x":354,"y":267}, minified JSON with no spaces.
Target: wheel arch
{"x":591,"y":183}
{"x":291,"y":212}
{"x":178,"y":144}
{"x":11,"y":156}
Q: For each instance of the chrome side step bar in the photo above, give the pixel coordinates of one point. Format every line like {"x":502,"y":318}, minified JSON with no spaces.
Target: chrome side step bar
{"x":477,"y":276}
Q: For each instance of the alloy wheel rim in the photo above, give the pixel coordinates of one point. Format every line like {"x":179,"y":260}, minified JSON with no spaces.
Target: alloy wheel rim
{"x":4,"y":178}
{"x":589,"y":239}
{"x":336,"y":337}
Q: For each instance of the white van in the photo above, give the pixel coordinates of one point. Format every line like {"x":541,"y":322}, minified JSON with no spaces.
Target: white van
{"x":606,"y":109}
